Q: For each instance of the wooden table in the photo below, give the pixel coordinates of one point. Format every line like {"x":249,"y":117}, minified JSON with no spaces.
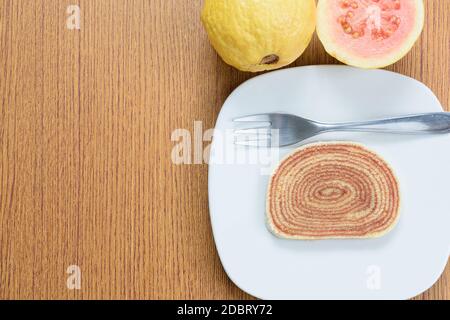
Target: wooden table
{"x":86,"y":118}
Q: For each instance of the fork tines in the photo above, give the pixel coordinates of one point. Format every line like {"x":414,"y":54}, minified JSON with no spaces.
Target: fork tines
{"x":259,"y":135}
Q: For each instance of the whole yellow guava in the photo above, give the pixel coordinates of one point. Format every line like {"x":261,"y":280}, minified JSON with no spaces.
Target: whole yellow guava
{"x":258,"y":35}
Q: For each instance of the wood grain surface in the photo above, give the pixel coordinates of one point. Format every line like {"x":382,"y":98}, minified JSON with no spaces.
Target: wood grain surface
{"x":86,"y":117}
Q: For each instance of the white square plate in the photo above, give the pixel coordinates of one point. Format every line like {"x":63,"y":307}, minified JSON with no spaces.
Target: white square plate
{"x":400,"y":265}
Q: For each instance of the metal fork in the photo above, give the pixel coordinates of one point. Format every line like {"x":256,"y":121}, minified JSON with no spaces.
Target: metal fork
{"x":278,"y":129}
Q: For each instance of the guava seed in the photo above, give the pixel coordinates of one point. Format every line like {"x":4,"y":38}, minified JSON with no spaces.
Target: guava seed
{"x":380,"y":15}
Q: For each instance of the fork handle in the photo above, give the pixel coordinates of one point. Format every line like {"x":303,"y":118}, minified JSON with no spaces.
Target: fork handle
{"x":420,"y":123}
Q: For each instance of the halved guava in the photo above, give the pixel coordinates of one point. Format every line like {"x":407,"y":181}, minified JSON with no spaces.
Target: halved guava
{"x":369,"y":33}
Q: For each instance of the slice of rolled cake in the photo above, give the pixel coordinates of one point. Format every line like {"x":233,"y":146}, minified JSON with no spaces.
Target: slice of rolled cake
{"x":332,"y":190}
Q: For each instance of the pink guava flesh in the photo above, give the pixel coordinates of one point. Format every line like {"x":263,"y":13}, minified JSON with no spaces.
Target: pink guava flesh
{"x":371,"y":28}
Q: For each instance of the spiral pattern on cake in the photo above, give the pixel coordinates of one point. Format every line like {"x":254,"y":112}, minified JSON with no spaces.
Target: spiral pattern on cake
{"x":332,"y":190}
